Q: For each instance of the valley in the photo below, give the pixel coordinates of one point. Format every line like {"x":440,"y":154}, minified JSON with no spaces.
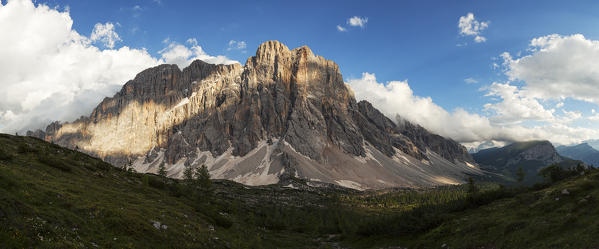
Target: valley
{"x":57,"y":197}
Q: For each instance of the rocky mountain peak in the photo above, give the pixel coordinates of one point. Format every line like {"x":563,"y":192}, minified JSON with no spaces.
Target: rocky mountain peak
{"x":285,"y":112}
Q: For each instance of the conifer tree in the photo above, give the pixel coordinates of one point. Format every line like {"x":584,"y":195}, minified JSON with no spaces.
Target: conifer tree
{"x":203,"y":179}
{"x":188,"y":174}
{"x":520,"y":174}
{"x":471,"y":186}
{"x":162,"y":171}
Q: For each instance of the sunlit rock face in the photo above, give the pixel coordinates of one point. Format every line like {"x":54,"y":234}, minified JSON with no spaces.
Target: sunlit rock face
{"x":286,"y":113}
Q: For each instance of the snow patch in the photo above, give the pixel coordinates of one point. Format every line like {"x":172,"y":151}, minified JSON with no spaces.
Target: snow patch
{"x":184,"y":101}
{"x":349,"y":184}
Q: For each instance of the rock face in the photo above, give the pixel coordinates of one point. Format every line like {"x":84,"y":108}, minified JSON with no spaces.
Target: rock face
{"x":583,"y":152}
{"x":285,"y":113}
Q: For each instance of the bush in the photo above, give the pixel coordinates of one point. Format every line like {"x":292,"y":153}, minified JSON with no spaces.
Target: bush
{"x":555,"y":173}
{"x":24,"y":147}
{"x":175,"y":189}
{"x":155,"y":182}
{"x":5,"y":156}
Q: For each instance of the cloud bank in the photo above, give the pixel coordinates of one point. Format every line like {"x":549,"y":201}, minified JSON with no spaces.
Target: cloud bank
{"x":397,"y":98}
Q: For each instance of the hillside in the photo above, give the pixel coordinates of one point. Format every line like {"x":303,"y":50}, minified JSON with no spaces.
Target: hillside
{"x":583,"y":152}
{"x":54,"y":197}
{"x":530,"y":156}
{"x":565,"y":215}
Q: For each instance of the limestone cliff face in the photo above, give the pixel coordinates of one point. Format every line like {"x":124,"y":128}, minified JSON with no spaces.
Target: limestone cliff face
{"x":281,"y":106}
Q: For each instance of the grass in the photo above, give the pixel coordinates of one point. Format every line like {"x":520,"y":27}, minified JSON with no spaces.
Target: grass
{"x":52,"y":197}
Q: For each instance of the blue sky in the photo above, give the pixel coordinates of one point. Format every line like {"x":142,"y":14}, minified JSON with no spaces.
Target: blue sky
{"x":414,"y":40}
{"x":417,"y":41}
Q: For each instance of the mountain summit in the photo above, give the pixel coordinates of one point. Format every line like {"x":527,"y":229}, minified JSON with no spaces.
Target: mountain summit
{"x":286,"y":113}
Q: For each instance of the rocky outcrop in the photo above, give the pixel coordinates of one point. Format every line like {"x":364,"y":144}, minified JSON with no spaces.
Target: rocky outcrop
{"x":282,"y":105}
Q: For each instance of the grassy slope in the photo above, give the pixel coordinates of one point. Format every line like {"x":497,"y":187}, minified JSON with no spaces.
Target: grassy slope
{"x":539,"y":219}
{"x":82,"y":202}
{"x":544,"y":218}
{"x":66,"y":199}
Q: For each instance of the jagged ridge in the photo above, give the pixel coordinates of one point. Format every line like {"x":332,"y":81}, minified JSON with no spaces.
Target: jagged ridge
{"x":291,"y":97}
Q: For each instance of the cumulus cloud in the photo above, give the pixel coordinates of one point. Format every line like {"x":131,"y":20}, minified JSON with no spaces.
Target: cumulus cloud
{"x":182,"y":55}
{"x":516,"y":105}
{"x":397,"y":98}
{"x":357,"y":21}
{"x":558,"y":67}
{"x":469,"y":26}
{"x":354,"y":21}
{"x":236,"y":45}
{"x":48,"y":71}
{"x":105,"y":33}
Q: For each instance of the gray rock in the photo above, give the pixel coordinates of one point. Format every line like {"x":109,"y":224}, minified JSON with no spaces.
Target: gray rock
{"x":291,"y":95}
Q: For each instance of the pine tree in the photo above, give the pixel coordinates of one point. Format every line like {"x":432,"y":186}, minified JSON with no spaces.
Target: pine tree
{"x":162,"y":170}
{"x":520,"y":174}
{"x":203,"y":179}
{"x":471,"y":186}
{"x":188,"y":174}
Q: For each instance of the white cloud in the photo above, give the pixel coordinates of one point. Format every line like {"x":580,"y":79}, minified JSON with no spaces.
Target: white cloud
{"x":105,"y":33}
{"x":181,"y":55}
{"x":594,"y":117}
{"x":558,"y":67}
{"x":341,"y":29}
{"x":516,"y":106}
{"x":571,"y":116}
{"x":470,"y":81}
{"x":236,"y":45}
{"x":48,"y":71}
{"x":469,"y":26}
{"x":357,"y":21}
{"x":397,"y":98}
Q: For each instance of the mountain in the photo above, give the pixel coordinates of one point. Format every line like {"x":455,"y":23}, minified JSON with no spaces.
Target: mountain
{"x":583,"y":152}
{"x":593,"y":143}
{"x":284,"y":114}
{"x":531,"y":156}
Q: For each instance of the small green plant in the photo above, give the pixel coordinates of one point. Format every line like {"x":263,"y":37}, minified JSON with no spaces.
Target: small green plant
{"x":145,"y":180}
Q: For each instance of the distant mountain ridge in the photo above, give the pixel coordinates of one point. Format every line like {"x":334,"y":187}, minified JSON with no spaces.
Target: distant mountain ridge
{"x":531,"y":156}
{"x":286,"y":113}
{"x":583,"y":152}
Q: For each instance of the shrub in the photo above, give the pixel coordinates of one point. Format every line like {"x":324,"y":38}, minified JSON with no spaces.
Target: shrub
{"x":155,"y":182}
{"x":24,"y":147}
{"x":5,"y":156}
{"x":175,"y":189}
{"x":555,"y":173}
